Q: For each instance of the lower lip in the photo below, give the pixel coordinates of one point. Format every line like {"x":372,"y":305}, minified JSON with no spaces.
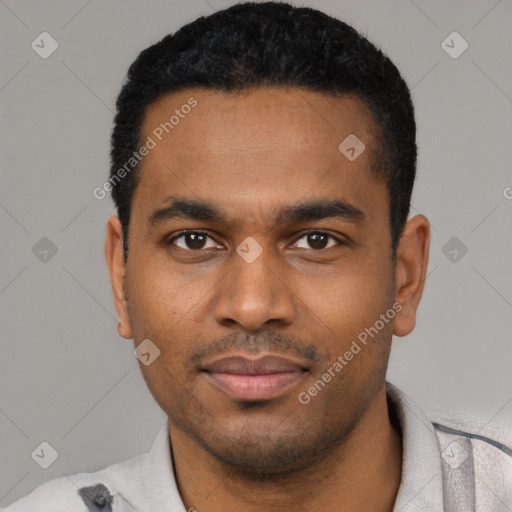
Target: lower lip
{"x":254,"y":387}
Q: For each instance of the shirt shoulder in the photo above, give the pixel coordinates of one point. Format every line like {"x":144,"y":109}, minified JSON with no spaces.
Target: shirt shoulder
{"x":141,"y":484}
{"x":479,"y":449}
{"x":58,"y":495}
{"x":105,"y":490}
{"x":494,"y":445}
{"x":477,"y":470}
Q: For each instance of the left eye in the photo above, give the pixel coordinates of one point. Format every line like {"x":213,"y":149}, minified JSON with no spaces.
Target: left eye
{"x":196,"y":240}
{"x":318,"y":240}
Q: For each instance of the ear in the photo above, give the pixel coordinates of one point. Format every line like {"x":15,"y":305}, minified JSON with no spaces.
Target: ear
{"x":411,"y":271}
{"x":116,"y":268}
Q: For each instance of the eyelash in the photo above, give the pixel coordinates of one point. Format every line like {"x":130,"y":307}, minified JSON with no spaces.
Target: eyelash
{"x":316,"y":231}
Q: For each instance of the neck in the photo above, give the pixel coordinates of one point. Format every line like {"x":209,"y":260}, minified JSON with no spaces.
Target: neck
{"x":363,"y":473}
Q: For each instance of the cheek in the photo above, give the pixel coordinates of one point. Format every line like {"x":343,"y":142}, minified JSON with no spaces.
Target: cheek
{"x":156,"y":299}
{"x":350,"y":299}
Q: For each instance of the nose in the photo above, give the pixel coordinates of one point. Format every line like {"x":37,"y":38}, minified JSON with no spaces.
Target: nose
{"x":255,"y":294}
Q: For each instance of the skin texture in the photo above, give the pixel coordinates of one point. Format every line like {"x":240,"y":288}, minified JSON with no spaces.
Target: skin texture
{"x":251,"y":154}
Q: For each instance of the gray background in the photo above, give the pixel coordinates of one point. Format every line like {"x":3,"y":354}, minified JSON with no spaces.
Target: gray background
{"x":67,"y":378}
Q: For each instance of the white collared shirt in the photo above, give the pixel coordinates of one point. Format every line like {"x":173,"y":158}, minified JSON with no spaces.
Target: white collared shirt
{"x":443,"y":469}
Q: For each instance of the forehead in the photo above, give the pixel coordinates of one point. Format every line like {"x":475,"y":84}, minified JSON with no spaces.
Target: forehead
{"x":257,"y":119}
{"x":256,"y":146}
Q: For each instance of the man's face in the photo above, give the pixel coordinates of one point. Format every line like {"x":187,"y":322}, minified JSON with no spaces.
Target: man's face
{"x":253,"y":281}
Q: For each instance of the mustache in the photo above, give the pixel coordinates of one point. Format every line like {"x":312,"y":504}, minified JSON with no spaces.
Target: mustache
{"x":269,"y":341}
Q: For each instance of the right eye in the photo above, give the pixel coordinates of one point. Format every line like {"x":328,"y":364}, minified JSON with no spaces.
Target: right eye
{"x":192,"y":241}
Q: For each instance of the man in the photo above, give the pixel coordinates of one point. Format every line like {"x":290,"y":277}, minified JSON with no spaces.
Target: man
{"x":263,"y":160}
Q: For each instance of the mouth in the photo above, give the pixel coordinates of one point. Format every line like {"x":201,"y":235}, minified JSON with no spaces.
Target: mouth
{"x":248,"y":379}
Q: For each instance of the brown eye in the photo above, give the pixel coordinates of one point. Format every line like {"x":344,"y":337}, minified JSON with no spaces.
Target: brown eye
{"x":318,"y":240}
{"x":193,"y":241}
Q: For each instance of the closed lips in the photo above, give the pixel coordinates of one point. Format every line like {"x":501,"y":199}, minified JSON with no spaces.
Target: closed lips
{"x":262,"y":366}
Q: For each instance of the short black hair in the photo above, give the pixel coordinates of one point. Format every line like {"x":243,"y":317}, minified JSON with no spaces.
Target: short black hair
{"x":271,"y":44}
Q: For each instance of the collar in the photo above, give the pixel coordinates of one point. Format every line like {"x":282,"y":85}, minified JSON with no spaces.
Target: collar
{"x":160,"y":486}
{"x":421,"y":487}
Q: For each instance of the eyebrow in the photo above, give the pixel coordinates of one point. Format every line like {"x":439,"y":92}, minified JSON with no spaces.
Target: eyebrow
{"x":317,"y":209}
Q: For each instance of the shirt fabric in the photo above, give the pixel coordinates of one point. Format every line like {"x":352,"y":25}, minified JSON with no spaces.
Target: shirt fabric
{"x":443,"y":470}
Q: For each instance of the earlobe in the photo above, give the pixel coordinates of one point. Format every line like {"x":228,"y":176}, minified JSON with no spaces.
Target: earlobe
{"x":411,"y":270}
{"x":116,"y":268}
